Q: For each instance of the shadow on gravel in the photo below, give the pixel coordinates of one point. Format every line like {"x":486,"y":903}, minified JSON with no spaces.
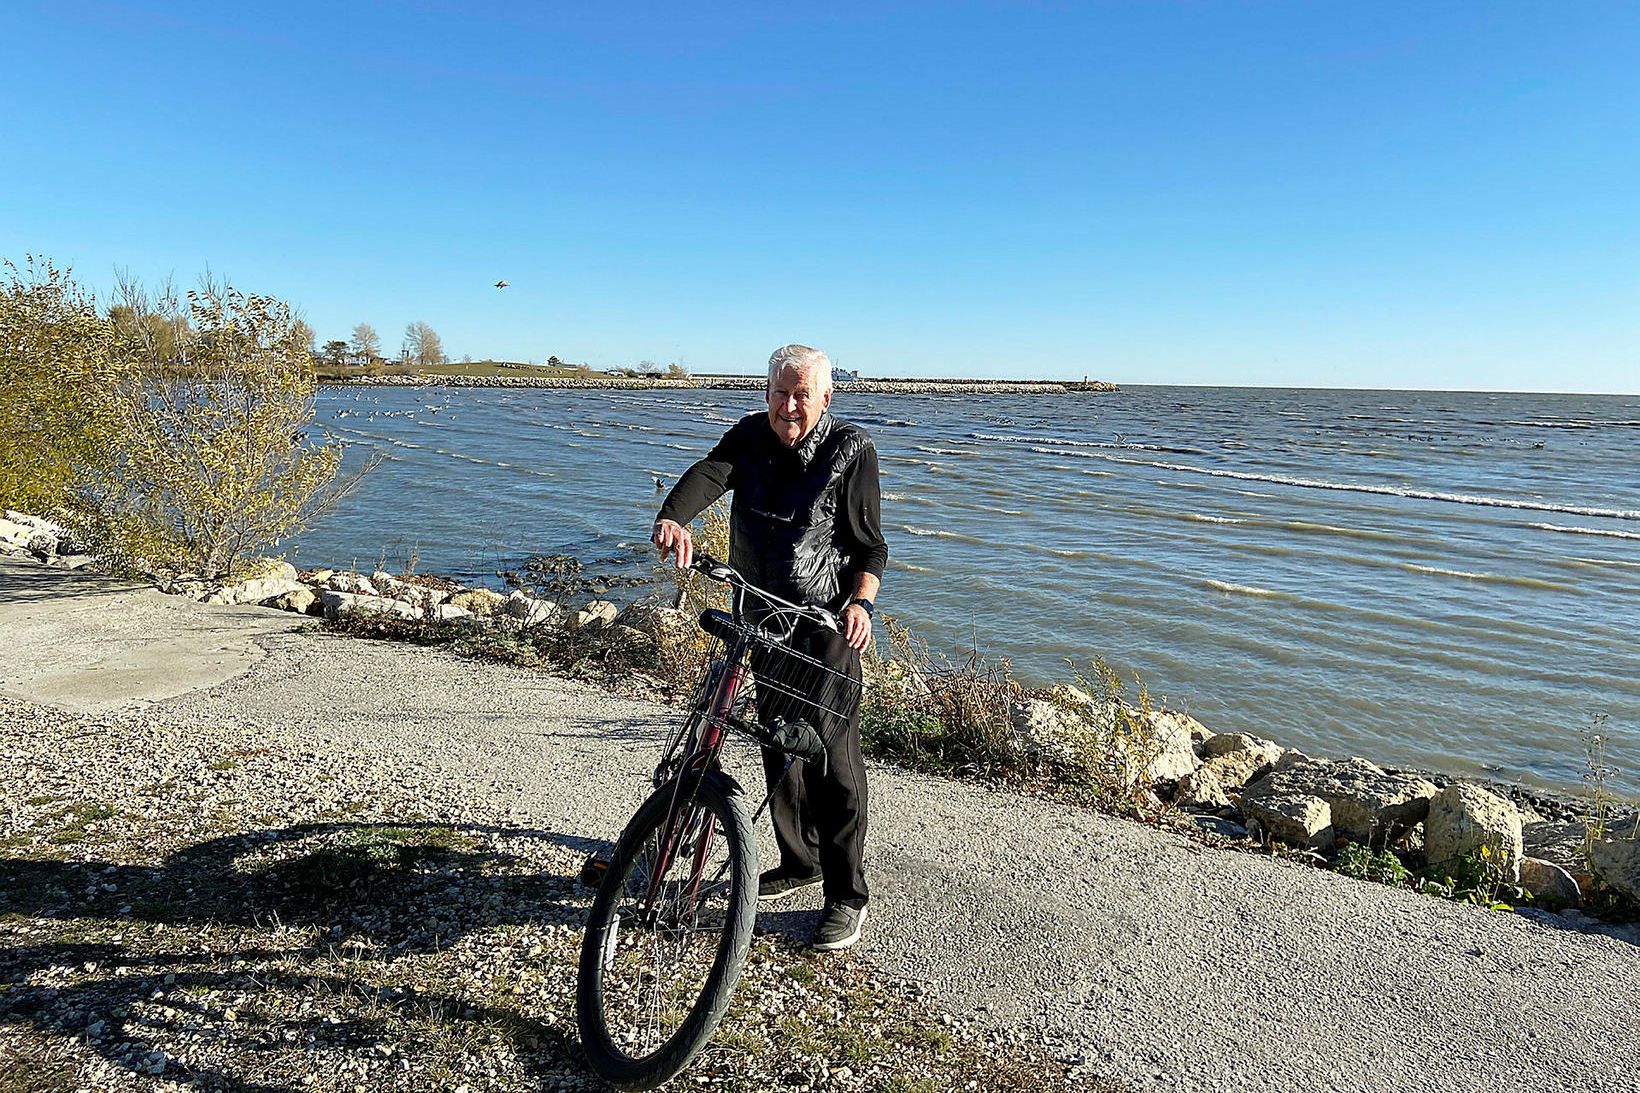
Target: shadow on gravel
{"x":352,"y":941}
{"x":28,"y":582}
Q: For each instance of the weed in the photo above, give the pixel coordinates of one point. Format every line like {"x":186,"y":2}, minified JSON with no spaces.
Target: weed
{"x":1365,"y":863}
{"x":932,"y":712}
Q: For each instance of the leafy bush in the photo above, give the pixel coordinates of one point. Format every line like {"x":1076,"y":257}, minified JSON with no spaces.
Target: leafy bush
{"x":56,"y":376}
{"x":209,"y":459}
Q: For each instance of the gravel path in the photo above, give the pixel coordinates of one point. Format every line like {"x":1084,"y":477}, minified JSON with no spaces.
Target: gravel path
{"x":1162,"y":963}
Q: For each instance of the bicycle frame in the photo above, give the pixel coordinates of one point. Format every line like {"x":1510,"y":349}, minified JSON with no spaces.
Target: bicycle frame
{"x":701,"y":742}
{"x":700,"y":756}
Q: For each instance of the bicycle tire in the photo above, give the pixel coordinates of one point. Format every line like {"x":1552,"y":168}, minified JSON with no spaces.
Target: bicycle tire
{"x":606,"y":1052}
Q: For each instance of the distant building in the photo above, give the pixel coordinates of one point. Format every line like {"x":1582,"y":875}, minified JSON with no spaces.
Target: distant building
{"x":843,"y":375}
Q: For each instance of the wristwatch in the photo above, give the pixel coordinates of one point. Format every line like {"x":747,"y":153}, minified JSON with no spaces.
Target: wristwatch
{"x":870,"y":608}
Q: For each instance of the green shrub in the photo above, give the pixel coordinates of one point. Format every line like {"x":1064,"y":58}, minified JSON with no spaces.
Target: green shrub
{"x":210,"y":459}
{"x":57,"y":372}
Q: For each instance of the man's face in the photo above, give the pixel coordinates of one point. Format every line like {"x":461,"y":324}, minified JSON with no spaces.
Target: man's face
{"x":796,"y":403}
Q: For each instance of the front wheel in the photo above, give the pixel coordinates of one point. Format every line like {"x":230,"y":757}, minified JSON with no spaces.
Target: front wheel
{"x":667,"y":934}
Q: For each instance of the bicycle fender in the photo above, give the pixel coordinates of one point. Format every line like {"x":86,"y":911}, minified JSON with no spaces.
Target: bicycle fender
{"x":727,"y":782}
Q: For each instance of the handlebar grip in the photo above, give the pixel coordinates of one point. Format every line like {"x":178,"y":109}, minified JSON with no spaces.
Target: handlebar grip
{"x":705,"y":563}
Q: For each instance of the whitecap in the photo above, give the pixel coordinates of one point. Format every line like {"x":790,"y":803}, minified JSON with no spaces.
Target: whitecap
{"x":1355,"y":487}
{"x":1571,"y":530}
{"x":1246,"y":589}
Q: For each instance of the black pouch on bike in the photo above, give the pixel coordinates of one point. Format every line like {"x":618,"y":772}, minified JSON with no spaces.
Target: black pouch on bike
{"x":794,"y":736}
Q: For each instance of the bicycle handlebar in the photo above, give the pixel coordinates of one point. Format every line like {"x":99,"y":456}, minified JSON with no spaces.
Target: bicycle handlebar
{"x":723,"y":571}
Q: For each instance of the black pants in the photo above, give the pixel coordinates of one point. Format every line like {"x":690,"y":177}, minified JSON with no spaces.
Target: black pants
{"x":820,"y":811}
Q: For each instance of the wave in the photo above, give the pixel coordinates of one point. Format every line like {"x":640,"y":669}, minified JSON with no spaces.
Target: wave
{"x":938,"y":534}
{"x":1576,"y":423}
{"x":1310,"y":527}
{"x":1586,"y":531}
{"x":1203,"y":519}
{"x":1607,"y":562}
{"x":1357,"y":487}
{"x":1121,"y":445}
{"x":1248,"y":590}
{"x":1498,"y":578}
{"x":946,"y":451}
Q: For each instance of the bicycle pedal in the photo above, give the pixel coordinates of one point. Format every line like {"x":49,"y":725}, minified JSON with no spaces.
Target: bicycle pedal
{"x":592,"y":871}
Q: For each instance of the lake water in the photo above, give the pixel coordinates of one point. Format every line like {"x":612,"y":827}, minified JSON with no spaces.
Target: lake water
{"x":1449,"y":580}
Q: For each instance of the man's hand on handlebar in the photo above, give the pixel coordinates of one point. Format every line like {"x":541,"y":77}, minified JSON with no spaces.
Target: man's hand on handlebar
{"x":675,"y":541}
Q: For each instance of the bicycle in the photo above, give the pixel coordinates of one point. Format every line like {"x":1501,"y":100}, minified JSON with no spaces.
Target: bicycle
{"x":667,"y":935}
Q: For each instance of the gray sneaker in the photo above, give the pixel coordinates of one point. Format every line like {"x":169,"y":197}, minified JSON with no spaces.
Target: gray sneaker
{"x":775,"y":885}
{"x":839,"y":926}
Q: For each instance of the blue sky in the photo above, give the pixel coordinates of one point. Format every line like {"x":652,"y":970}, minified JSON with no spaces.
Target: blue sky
{"x":1316,"y":194}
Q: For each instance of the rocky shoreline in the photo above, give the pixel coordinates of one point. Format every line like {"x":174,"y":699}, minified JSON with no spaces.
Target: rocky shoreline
{"x":732,"y":383}
{"x":1233,"y":788}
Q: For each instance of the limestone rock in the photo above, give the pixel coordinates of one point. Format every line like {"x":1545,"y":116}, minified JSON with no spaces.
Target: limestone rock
{"x":1068,"y":728}
{"x":1616,"y":864}
{"x":1291,"y":757}
{"x":262,"y":589}
{"x":299,"y":600}
{"x":1464,"y":818}
{"x":276,"y":568}
{"x":1368,"y":804}
{"x":668,"y":625}
{"x":530,"y":611}
{"x":596,"y":613}
{"x":320,"y":576}
{"x":1228,"y":743}
{"x":1219,"y":780}
{"x":351,"y":583}
{"x":480,"y":601}
{"x":1295,"y":819}
{"x":341,"y":605}
{"x":1546,"y":880}
{"x":631,"y":643}
{"x":15,"y":534}
{"x":449,"y":612}
{"x":1202,"y":788}
{"x":1176,"y":735}
{"x":1048,"y":730}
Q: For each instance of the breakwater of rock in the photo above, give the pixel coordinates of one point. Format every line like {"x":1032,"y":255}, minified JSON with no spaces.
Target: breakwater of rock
{"x":733,"y":383}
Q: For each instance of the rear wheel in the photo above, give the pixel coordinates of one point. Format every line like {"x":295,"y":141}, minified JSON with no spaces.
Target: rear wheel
{"x":667,"y":934}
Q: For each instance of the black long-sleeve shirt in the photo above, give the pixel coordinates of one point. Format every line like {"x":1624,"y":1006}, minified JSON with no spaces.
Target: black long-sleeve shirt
{"x":859,"y":510}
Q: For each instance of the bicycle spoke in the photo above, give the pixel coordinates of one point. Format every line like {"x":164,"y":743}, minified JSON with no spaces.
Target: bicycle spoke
{"x":660,"y":956}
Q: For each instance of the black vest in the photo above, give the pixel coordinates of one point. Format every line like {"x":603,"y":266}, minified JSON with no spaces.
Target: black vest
{"x":783,"y":522}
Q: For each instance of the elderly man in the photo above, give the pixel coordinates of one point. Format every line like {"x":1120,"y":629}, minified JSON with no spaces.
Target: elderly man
{"x":805,"y":525}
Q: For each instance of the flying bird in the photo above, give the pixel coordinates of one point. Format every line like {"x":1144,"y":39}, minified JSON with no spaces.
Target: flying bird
{"x":501,"y":284}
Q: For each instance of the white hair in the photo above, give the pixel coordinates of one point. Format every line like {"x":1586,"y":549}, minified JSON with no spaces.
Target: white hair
{"x":800,"y":358}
